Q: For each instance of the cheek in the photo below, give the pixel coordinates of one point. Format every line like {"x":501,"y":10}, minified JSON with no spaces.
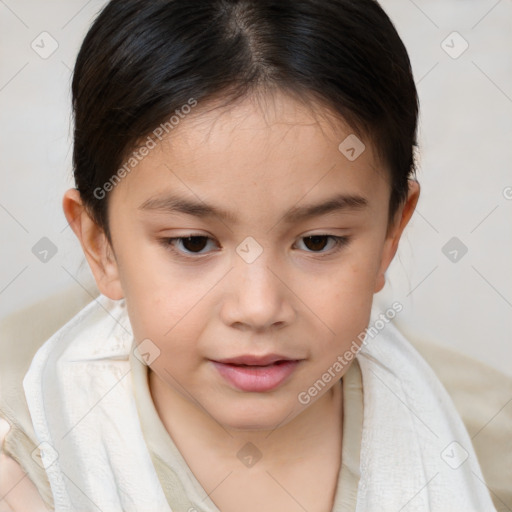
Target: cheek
{"x":347,"y":286}
{"x":343,"y":302}
{"x":168,"y":320}
{"x":158,"y":292}
{"x":173,"y":334}
{"x":165,"y":313}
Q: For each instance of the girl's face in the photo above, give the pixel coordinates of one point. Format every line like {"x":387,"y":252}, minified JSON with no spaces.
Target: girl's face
{"x":250,"y":235}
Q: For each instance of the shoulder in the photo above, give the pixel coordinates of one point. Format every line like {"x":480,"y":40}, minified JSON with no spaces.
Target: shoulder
{"x":482,"y":397}
{"x":23,"y":482}
{"x":22,"y":333}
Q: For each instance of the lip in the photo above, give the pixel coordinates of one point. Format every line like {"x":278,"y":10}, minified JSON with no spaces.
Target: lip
{"x":258,"y":373}
{"x":254,"y":360}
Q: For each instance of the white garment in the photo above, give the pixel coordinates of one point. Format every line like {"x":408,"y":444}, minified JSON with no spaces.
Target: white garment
{"x":80,"y":396}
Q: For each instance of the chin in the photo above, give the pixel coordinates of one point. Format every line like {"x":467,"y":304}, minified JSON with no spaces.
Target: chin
{"x":256,"y":417}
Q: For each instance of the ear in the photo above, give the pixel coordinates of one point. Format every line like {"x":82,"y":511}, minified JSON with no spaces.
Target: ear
{"x":97,"y":249}
{"x":402,"y":217}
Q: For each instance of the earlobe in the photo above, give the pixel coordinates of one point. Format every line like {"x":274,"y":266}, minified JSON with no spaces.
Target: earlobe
{"x":94,"y":244}
{"x":380,"y":282}
{"x":393,"y":238}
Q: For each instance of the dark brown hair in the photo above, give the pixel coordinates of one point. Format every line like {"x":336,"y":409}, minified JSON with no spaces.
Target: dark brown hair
{"x":142,"y":60}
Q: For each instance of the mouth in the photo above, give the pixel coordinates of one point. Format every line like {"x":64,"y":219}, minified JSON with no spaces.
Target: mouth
{"x":253,"y":360}
{"x":256,"y":373}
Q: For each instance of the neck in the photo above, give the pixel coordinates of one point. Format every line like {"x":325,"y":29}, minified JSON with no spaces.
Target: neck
{"x":194,"y":431}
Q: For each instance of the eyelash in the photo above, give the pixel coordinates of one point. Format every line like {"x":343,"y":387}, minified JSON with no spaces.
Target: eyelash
{"x":168,"y":243}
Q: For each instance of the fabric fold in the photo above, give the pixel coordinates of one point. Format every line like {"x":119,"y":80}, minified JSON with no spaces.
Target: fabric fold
{"x":79,"y":392}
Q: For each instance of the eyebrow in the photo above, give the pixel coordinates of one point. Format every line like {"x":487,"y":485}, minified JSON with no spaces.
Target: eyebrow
{"x":175,"y":204}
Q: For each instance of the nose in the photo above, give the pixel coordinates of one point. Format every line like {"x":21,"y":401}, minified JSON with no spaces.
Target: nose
{"x":258,"y":297}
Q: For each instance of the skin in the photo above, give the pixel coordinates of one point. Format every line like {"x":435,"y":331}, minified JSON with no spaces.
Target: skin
{"x":299,"y":299}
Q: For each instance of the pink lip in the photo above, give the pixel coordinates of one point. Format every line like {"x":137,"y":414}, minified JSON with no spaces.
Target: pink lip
{"x":253,"y":360}
{"x":259,"y":373}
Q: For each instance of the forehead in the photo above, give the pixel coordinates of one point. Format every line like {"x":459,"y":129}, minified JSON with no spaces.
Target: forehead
{"x":261,"y":151}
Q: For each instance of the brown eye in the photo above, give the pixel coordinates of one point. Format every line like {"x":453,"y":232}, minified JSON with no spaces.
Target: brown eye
{"x":194,"y":243}
{"x":316,"y":243}
{"x":187,"y":245}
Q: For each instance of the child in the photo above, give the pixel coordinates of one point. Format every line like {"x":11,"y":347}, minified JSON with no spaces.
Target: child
{"x":244,"y":171}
